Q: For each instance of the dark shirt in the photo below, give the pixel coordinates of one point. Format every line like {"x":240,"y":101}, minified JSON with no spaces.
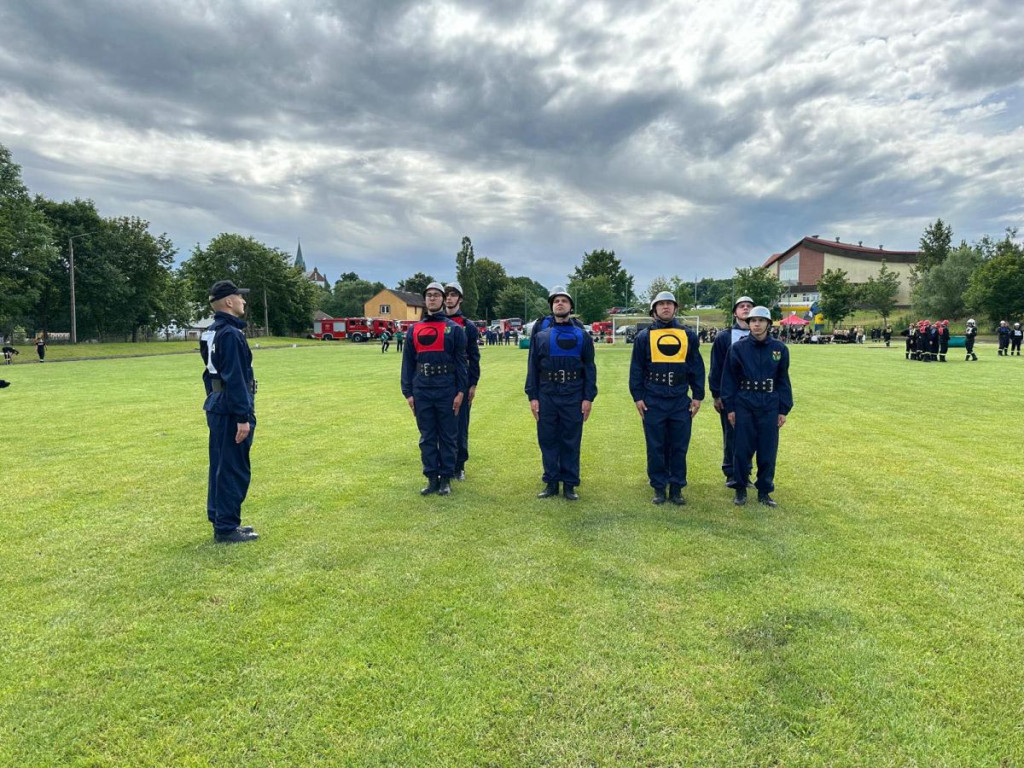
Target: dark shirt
{"x":472,"y":345}
{"x":436,"y":340}
{"x":228,"y":358}
{"x":719,"y":353}
{"x":562,"y":347}
{"x":753,"y":360}
{"x":660,"y":355}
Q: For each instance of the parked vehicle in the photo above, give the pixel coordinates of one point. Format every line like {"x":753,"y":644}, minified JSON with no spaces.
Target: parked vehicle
{"x":356,"y":329}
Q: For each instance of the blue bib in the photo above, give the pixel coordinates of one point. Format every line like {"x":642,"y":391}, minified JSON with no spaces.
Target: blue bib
{"x":565,"y":341}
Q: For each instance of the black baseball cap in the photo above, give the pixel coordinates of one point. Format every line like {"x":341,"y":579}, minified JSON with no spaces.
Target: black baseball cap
{"x":223,"y":288}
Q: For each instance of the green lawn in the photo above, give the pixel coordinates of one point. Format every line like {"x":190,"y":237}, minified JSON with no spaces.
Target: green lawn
{"x":85,"y":351}
{"x":875,"y":618}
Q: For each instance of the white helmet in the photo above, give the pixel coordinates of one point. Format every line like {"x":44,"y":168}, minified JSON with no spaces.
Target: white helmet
{"x":740,"y":300}
{"x":558,"y":290}
{"x":663,"y":296}
{"x":763,"y":312}
{"x":971,"y":322}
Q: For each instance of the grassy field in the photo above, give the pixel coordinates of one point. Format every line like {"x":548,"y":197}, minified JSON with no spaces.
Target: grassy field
{"x":67,"y":352}
{"x":876,"y":618}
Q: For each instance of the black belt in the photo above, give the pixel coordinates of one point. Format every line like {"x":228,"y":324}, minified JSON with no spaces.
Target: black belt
{"x":426,"y":369}
{"x":561,"y":377}
{"x":669,"y":379}
{"x":217,"y":385}
{"x":749,"y":385}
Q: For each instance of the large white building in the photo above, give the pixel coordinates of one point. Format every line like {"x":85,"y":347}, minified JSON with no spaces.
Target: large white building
{"x":801,"y":266}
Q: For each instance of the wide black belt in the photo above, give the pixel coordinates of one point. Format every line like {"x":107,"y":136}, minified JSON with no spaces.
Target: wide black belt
{"x":750,"y":385}
{"x":561,"y":377}
{"x":426,"y":369}
{"x":217,"y":385}
{"x":669,"y":378}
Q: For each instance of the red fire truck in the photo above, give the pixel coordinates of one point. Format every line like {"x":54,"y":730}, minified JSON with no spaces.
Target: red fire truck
{"x":378,"y":325}
{"x":355,"y":328}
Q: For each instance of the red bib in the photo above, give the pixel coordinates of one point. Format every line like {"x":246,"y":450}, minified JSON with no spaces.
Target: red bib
{"x":429,"y":337}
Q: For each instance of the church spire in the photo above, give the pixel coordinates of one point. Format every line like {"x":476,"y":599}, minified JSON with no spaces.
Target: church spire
{"x":299,"y":261}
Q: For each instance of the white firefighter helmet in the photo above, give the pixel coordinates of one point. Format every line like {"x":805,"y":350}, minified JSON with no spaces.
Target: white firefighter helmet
{"x":663,"y":296}
{"x":760,"y":312}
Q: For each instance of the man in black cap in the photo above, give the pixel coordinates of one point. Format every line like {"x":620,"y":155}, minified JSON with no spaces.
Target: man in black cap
{"x":453,"y":308}
{"x":719,"y":354}
{"x":230,"y":415}
{"x":561,"y":384}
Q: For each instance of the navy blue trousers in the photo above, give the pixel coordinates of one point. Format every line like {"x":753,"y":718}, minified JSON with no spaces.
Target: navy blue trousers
{"x":756,"y":432}
{"x":559,"y":434}
{"x":728,"y":445}
{"x":667,"y":425}
{"x":462,"y":450}
{"x":229,"y":472}
{"x":439,"y":429}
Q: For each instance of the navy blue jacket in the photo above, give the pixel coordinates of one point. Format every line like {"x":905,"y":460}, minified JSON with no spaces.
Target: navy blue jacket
{"x":719,"y":354}
{"x":472,"y":345}
{"x":435,"y":340}
{"x":562,"y":347}
{"x":654,"y":355}
{"x":753,"y":360}
{"x":228,"y":358}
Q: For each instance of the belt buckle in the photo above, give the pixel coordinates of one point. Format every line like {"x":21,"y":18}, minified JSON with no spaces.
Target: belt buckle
{"x":771,"y":385}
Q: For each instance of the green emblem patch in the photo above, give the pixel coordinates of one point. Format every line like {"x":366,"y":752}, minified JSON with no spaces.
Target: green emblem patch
{"x":776,"y":356}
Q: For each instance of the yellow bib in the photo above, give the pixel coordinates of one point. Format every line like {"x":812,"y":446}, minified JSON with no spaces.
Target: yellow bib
{"x":668,"y":345}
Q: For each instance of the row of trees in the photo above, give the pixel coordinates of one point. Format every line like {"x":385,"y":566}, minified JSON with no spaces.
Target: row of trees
{"x":125,"y":284}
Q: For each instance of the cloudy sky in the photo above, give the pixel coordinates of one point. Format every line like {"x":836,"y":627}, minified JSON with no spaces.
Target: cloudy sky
{"x":690,"y":136}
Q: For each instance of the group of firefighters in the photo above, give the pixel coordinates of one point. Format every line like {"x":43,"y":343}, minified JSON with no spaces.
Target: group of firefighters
{"x":749,"y":382}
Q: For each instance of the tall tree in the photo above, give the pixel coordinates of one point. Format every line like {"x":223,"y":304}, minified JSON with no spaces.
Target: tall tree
{"x":279,"y":292}
{"x":997,"y":285}
{"x":144,"y":262}
{"x":465,"y":273}
{"x":838,"y":295}
{"x":940,"y":291}
{"x":349,"y":297}
{"x":593,"y":297}
{"x":601,"y":262}
{"x":879,"y":293}
{"x":934,"y":245}
{"x":415,"y":283}
{"x":759,"y":283}
{"x":490,"y":280}
{"x":26,"y":250}
{"x":521,"y":296}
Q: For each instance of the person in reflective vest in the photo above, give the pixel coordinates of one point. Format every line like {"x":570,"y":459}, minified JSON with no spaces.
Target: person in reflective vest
{"x":758,"y":396}
{"x":453,"y":308}
{"x":434,"y":382}
{"x":970,"y":336}
{"x":230,"y":412}
{"x":666,"y":381}
{"x":561,"y":385}
{"x":719,"y":352}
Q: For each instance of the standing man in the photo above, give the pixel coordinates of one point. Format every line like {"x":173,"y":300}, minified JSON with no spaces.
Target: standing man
{"x":399,"y":339}
{"x":41,"y":348}
{"x":887,"y":334}
{"x":943,"y":331}
{"x":666,"y":363}
{"x":719,"y":353}
{"x":561,"y":384}
{"x":230,"y":414}
{"x":385,"y":341}
{"x":453,"y":308}
{"x":1015,"y":338}
{"x":1004,"y":338}
{"x":434,"y":385}
{"x":757,"y":396}
{"x":970,"y":335}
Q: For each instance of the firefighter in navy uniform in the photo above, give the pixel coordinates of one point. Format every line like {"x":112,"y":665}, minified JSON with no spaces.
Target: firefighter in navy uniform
{"x":230,"y":414}
{"x":561,"y":384}
{"x":453,"y":308}
{"x":887,"y":335}
{"x":1015,"y":338}
{"x":665,"y":372}
{"x":1003,"y":332}
{"x":970,"y":336}
{"x":757,"y":396}
{"x":943,"y":333}
{"x":719,"y":353}
{"x":434,"y":384}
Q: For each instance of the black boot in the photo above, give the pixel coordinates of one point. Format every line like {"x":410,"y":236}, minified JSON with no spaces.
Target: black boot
{"x":569,"y":491}
{"x":550,"y":490}
{"x":446,"y":487}
{"x":768,"y":501}
{"x":433,"y":485}
{"x":659,"y":496}
{"x":675,"y":495}
{"x":741,"y":497}
{"x":974,"y":356}
{"x":967,"y":359}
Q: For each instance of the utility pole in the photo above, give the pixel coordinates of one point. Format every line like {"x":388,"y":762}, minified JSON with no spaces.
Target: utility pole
{"x":266,"y":316}
{"x":71,"y":270}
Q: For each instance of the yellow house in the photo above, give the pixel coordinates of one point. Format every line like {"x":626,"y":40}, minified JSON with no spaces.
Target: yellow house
{"x":395,"y":305}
